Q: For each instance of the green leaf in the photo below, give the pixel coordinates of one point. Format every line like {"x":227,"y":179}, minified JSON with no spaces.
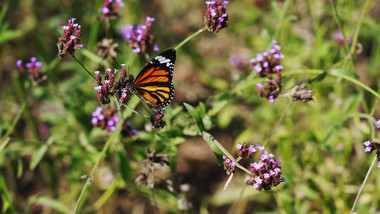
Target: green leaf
{"x":7,"y":203}
{"x":37,"y":157}
{"x":195,"y":114}
{"x":125,"y":168}
{"x":9,"y":35}
{"x":217,"y":107}
{"x":172,"y":152}
{"x":50,"y":202}
{"x":318,"y":78}
{"x":212,"y":142}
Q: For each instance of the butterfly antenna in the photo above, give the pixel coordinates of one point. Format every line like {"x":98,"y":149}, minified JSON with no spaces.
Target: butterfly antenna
{"x":134,"y":111}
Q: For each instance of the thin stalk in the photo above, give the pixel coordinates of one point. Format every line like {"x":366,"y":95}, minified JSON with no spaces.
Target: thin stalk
{"x":357,"y":31}
{"x":278,"y":122}
{"x":155,"y":202}
{"x":281,"y":20}
{"x":335,"y":13}
{"x":90,"y":177}
{"x":361,"y":188}
{"x":134,"y":111}
{"x":84,"y":67}
{"x":190,"y":37}
{"x":13,"y":125}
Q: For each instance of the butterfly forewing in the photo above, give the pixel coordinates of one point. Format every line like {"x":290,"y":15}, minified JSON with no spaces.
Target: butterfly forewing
{"x":154,"y":82}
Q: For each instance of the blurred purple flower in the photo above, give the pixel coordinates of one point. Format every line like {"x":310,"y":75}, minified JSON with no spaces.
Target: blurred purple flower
{"x":32,"y":70}
{"x":339,"y":38}
{"x":138,"y":37}
{"x":372,"y":146}
{"x":110,"y":8}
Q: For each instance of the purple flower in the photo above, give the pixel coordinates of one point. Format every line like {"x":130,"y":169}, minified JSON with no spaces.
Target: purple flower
{"x":32,"y":70}
{"x":216,"y":17}
{"x":266,"y":173}
{"x":138,"y":37}
{"x":228,"y":165}
{"x":339,"y":38}
{"x":245,"y":150}
{"x":110,"y":8}
{"x":69,"y":41}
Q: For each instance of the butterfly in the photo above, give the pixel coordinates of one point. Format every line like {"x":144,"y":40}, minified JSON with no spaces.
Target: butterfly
{"x":154,"y":82}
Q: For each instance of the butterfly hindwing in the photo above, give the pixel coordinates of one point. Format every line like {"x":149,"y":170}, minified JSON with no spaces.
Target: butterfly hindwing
{"x":154,"y":82}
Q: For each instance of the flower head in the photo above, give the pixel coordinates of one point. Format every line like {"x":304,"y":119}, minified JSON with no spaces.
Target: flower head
{"x":69,"y":41}
{"x":110,"y":8}
{"x":106,"y":120}
{"x":372,"y":146}
{"x":156,"y":119}
{"x":266,"y":173}
{"x":32,"y":70}
{"x":216,"y":17}
{"x":339,"y":38}
{"x":377,"y":124}
{"x":246,"y":150}
{"x":228,"y":165}
{"x":138,"y":37}
{"x":266,"y":64}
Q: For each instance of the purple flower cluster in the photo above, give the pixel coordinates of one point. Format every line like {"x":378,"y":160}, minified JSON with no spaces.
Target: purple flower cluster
{"x":266,"y":64}
{"x":266,"y":173}
{"x":228,"y":165}
{"x":110,"y":8}
{"x":69,"y":41}
{"x":32,"y":70}
{"x":110,"y":86}
{"x":339,"y":38}
{"x":216,"y":16}
{"x":107,"y":120}
{"x":138,"y":37}
{"x":370,"y":147}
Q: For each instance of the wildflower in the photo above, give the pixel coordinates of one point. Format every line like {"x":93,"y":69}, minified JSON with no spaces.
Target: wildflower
{"x":156,"y":119}
{"x":268,"y":63}
{"x":106,"y":120}
{"x":266,"y":173}
{"x":246,"y":150}
{"x":69,"y":41}
{"x":270,"y":90}
{"x":370,"y":147}
{"x":228,"y":165}
{"x":339,"y":38}
{"x":111,"y":87}
{"x":110,"y":8}
{"x":127,"y":130}
{"x":216,"y":17}
{"x":138,"y":37}
{"x":107,"y":48}
{"x":32,"y":70}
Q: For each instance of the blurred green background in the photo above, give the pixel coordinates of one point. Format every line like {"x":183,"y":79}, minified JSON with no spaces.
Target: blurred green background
{"x":320,"y":142}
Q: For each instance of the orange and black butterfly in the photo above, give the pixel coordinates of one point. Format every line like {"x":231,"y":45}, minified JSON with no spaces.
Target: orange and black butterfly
{"x":154,"y":82}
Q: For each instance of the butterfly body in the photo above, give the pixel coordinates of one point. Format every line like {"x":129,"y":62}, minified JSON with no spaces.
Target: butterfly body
{"x":154,"y":82}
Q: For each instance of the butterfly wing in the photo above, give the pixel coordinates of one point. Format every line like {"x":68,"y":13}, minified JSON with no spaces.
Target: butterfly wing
{"x":154,"y":82}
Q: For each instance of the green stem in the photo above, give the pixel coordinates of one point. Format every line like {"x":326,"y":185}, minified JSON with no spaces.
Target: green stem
{"x":282,"y":18}
{"x":361,"y":188}
{"x":357,"y":31}
{"x":84,"y":67}
{"x":335,"y":13}
{"x":333,"y":74}
{"x":189,"y":38}
{"x":13,"y":125}
{"x":90,"y":177}
{"x":278,"y":123}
